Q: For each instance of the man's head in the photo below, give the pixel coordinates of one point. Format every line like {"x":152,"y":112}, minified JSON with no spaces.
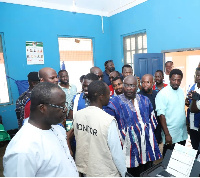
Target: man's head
{"x":81,"y":78}
{"x":87,"y":80}
{"x":168,"y":66}
{"x":159,"y":76}
{"x":147,"y":83}
{"x":117,"y":85}
{"x":197,"y":76}
{"x":127,"y":70}
{"x":97,"y":71}
{"x":109,"y":66}
{"x":113,"y":75}
{"x":48,"y":74}
{"x":130,"y":86}
{"x":63,"y":77}
{"x":175,"y":78}
{"x":33,"y":79}
{"x":98,"y":91}
{"x":47,"y":105}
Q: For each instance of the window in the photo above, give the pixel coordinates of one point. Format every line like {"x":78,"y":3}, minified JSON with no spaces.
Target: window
{"x":4,"y":95}
{"x":77,"y":56}
{"x":134,"y":44}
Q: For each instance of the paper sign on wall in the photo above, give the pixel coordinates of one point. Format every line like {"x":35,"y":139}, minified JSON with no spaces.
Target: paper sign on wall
{"x":34,"y":52}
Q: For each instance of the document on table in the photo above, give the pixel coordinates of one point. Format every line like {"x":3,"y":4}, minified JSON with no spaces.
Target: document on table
{"x":181,"y":161}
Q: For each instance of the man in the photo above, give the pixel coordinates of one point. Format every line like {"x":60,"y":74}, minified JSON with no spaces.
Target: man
{"x":127,"y":70}
{"x":168,"y":68}
{"x":117,"y":85}
{"x":170,"y":107}
{"x":22,"y":100}
{"x":81,"y":100}
{"x":111,"y":76}
{"x":147,"y":84}
{"x":194,"y":118}
{"x":48,"y":74}
{"x":69,"y":89}
{"x":136,"y":123}
{"x":159,"y":76}
{"x":101,"y":154}
{"x":109,"y":67}
{"x":40,"y":148}
{"x":97,"y":71}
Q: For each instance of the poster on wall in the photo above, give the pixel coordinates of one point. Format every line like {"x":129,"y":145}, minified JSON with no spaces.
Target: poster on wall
{"x":34,"y":53}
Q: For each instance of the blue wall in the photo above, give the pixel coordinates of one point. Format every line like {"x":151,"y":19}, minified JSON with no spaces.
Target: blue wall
{"x":24,"y":23}
{"x":169,"y":24}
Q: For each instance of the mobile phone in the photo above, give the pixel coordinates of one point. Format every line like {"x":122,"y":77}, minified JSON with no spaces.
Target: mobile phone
{"x":69,"y":125}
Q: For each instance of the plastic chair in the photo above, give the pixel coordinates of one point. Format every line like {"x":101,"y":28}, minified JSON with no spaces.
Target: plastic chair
{"x":4,"y":136}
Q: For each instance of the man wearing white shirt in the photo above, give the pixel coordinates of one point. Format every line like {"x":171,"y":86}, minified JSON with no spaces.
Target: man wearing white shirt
{"x":98,"y":149}
{"x":40,"y":147}
{"x":168,"y":68}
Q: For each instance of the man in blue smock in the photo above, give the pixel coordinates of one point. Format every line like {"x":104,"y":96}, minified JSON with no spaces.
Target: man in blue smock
{"x":170,"y":107}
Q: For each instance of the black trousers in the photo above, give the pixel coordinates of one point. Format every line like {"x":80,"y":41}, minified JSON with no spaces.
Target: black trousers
{"x":171,"y":147}
{"x":136,"y":171}
{"x":195,"y":138}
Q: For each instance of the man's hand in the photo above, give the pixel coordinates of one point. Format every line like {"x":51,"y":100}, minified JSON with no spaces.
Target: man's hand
{"x":168,"y":139}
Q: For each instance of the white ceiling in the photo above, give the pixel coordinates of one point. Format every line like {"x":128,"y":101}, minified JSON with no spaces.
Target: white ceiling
{"x":95,"y":7}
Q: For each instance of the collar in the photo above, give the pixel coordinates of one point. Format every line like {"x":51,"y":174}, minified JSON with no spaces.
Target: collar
{"x":64,"y":87}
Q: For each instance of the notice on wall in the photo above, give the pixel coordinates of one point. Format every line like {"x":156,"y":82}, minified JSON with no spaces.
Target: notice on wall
{"x":34,"y":53}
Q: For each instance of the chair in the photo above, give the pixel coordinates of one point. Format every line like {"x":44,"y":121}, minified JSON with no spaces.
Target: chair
{"x":4,"y":136}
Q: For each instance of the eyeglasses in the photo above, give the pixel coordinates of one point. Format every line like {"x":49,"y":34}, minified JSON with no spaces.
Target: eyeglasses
{"x":61,"y":107}
{"x":129,"y":85}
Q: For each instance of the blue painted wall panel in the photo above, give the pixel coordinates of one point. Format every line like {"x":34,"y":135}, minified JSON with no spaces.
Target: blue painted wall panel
{"x":169,"y":24}
{"x":24,"y":23}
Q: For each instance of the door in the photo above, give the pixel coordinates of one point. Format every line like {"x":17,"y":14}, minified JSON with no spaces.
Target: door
{"x":147,"y":63}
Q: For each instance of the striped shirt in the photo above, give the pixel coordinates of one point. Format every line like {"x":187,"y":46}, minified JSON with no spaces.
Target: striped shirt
{"x":136,"y":124}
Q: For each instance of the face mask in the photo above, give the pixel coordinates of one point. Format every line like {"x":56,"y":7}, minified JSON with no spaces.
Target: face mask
{"x":112,"y":69}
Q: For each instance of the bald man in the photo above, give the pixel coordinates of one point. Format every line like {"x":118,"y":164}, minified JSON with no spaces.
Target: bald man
{"x":45,"y":74}
{"x":147,"y":90}
{"x":97,"y":71}
{"x":136,"y":122}
{"x":48,"y":74}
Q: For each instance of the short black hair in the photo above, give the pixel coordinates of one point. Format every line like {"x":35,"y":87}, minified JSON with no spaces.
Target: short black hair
{"x":91,"y":76}
{"x":41,"y":94}
{"x":61,"y":71}
{"x":160,"y":72}
{"x":105,"y":63}
{"x":82,"y":77}
{"x":116,"y":78}
{"x":95,"y":89}
{"x":168,"y":62}
{"x":176,"y":71}
{"x":126,"y":65}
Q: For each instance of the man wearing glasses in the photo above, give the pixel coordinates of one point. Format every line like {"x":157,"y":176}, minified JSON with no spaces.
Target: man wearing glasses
{"x":136,"y":123}
{"x":40,"y":148}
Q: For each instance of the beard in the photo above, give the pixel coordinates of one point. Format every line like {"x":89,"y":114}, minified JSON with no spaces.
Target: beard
{"x":63,"y":82}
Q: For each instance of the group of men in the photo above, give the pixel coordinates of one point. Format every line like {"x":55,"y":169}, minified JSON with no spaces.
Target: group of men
{"x":117,"y":122}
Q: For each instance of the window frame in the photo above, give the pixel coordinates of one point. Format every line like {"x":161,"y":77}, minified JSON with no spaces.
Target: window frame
{"x":10,"y":102}
{"x":129,"y":36}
